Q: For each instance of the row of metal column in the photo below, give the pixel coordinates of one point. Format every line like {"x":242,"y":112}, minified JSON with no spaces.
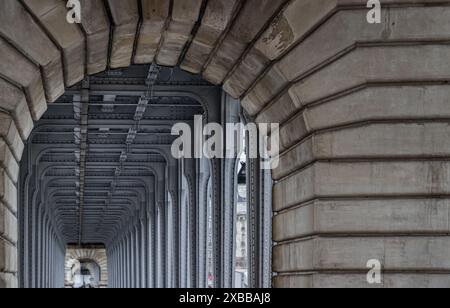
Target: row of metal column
{"x":50,"y":255}
{"x":41,"y":250}
{"x":168,"y":245}
{"x":129,"y":259}
{"x":158,"y":249}
{"x":185,"y":236}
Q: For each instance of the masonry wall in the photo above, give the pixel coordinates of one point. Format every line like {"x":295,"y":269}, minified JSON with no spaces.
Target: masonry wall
{"x":364,"y":171}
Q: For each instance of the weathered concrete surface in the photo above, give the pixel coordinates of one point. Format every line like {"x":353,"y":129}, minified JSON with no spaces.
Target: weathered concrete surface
{"x":13,"y":101}
{"x":375,"y":64}
{"x":416,"y":140}
{"x":8,"y":162}
{"x":363,"y":216}
{"x":372,"y":178}
{"x":155,"y":14}
{"x":363,"y":66}
{"x":8,"y":257}
{"x":184,"y":16}
{"x":217,"y":18}
{"x":18,"y":27}
{"x":360,"y":281}
{"x":8,"y":191}
{"x":397,"y":253}
{"x":125,"y":21}
{"x":371,"y":103}
{"x":287,"y":29}
{"x":52,"y":15}
{"x":21,"y":71}
{"x":346,"y":28}
{"x":252,"y":18}
{"x":8,"y":224}
{"x":8,"y":281}
{"x":95,"y":23}
{"x":9,"y":133}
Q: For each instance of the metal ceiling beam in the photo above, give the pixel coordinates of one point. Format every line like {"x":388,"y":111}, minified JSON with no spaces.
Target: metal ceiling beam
{"x":83,"y":150}
{"x":113,"y":148}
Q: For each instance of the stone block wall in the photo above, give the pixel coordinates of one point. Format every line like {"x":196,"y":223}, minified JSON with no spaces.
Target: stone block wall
{"x":363,"y":108}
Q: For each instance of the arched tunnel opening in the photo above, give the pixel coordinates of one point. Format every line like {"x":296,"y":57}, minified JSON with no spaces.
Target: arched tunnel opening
{"x":98,"y":170}
{"x":86,"y":267}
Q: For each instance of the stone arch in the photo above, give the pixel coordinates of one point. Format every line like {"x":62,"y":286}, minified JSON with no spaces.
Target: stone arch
{"x":362,"y":110}
{"x":72,"y":266}
{"x":75,"y":256}
{"x":94,"y":270}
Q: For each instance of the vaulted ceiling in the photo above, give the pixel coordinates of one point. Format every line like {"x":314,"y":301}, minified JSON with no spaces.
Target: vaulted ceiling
{"x":94,"y":184}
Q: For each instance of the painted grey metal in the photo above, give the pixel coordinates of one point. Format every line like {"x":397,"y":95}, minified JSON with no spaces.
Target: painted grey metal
{"x":102,"y":174}
{"x":230,"y":115}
